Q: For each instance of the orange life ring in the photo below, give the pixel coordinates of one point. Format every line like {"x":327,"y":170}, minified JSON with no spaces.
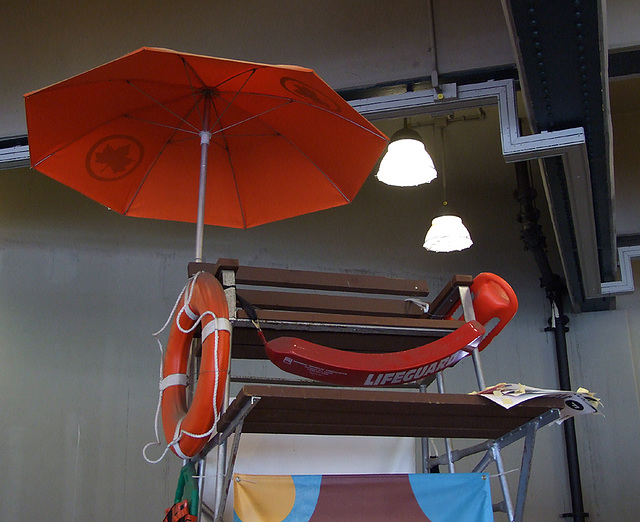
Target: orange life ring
{"x":186,"y":430}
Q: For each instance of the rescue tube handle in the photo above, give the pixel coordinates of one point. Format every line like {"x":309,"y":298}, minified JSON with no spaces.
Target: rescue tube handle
{"x":248,"y":308}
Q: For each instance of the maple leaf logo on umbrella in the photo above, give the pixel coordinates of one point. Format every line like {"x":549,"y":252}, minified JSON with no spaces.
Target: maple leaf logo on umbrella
{"x":114,"y":157}
{"x":308,"y":92}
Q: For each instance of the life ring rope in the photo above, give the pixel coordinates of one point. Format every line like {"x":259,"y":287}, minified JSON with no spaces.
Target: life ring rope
{"x":181,"y":379}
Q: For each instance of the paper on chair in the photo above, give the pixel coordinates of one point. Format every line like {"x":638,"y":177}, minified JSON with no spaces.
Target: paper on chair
{"x":508,"y":395}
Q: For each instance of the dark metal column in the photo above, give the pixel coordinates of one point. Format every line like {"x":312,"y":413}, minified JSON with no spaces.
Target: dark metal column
{"x":534,"y":240}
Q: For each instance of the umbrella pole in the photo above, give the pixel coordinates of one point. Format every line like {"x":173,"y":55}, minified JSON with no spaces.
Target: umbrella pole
{"x":205,"y":138}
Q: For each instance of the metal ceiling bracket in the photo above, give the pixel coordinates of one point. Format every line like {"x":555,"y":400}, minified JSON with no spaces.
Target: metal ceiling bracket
{"x":445,"y":91}
{"x":625,"y":285}
{"x":494,"y":92}
{"x":14,"y":157}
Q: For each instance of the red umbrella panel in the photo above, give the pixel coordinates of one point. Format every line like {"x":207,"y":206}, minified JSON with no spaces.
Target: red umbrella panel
{"x":142,"y":134}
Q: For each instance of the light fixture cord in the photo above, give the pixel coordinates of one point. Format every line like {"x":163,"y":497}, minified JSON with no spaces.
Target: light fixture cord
{"x":435,"y":81}
{"x":444,"y":165}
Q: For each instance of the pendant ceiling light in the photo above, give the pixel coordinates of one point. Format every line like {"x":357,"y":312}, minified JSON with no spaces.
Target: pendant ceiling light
{"x":406,"y":162}
{"x":447,"y":232}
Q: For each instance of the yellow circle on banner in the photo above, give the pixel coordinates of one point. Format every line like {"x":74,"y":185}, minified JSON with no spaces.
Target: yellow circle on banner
{"x":264,"y":498}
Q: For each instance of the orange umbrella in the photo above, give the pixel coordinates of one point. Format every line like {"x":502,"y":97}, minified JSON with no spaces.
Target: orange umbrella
{"x":138,"y":133}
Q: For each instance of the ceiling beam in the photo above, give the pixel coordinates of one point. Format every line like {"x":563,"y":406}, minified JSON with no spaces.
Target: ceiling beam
{"x":562,"y":63}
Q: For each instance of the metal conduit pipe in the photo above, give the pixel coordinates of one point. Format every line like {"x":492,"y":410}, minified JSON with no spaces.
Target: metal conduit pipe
{"x":558,"y":326}
{"x":535,"y":242}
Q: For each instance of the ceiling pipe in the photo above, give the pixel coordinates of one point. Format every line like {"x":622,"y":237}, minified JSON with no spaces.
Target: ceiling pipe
{"x":535,"y":242}
{"x":435,"y":81}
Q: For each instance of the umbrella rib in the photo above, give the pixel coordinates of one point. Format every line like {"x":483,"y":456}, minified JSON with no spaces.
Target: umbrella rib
{"x":249,"y":118}
{"x":319,"y":169}
{"x":235,"y":182}
{"x":193,"y":90}
{"x":317,"y":107}
{"x":146,"y":174}
{"x":172,"y":127}
{"x":252,"y":71}
{"x":288,"y":101}
{"x":301,"y":102}
{"x":162,"y":106}
{"x":233,"y":170}
{"x":343,"y":118}
{"x":300,"y":151}
{"x":230,"y":103}
{"x":188,"y":67}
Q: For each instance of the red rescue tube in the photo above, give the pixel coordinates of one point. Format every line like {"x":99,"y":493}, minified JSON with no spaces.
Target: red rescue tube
{"x":205,"y":299}
{"x":344,"y":368}
{"x":493,"y":300}
{"x":494,"y":304}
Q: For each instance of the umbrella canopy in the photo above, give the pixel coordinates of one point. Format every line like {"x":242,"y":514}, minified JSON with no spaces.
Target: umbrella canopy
{"x":140,"y":133}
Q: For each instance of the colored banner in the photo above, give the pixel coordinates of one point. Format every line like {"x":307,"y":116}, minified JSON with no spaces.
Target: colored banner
{"x":435,"y":497}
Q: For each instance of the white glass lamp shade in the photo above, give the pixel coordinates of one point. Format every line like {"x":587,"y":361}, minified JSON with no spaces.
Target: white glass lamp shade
{"x":447,"y":234}
{"x":406,"y":162}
